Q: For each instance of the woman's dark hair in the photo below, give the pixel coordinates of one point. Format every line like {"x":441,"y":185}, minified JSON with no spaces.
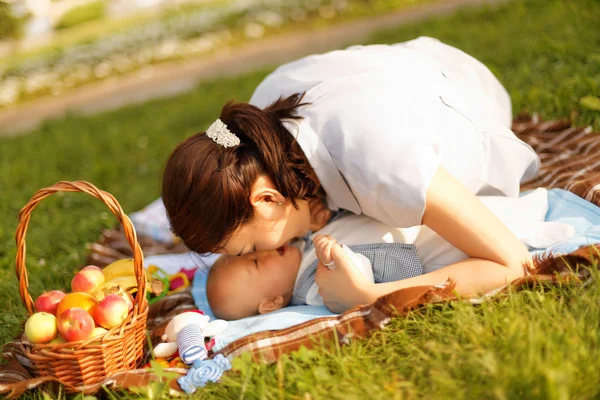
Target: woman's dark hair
{"x":206,"y":187}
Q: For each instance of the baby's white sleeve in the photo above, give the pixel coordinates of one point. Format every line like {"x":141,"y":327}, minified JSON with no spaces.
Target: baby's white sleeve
{"x":361,"y":262}
{"x":312,"y":296}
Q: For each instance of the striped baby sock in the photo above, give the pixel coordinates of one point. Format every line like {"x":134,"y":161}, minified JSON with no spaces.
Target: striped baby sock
{"x":190,"y":342}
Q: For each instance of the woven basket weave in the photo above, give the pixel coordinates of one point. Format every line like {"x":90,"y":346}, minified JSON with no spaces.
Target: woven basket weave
{"x":86,"y":362}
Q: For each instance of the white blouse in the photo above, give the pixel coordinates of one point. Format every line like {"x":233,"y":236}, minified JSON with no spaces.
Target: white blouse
{"x":382,"y":118}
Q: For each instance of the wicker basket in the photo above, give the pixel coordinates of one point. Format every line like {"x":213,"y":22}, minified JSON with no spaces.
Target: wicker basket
{"x":83,"y":364}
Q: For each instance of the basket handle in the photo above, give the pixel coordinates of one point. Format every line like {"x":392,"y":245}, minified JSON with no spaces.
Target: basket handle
{"x":112,"y":204}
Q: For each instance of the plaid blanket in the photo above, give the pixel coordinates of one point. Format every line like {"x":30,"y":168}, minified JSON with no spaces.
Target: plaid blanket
{"x":570,"y":160}
{"x":570,"y":156}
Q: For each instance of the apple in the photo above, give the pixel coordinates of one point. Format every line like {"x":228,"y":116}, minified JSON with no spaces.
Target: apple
{"x":88,"y":279}
{"x":77,"y":299}
{"x":48,"y":301}
{"x":128,"y":299}
{"x":111,"y":311}
{"x":98,"y":332}
{"x":41,"y":327}
{"x":75,"y":324}
{"x":58,"y":340}
{"x":101,"y":295}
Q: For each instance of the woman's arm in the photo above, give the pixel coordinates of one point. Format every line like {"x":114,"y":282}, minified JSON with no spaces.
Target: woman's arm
{"x":458,"y":216}
{"x":496,"y":255}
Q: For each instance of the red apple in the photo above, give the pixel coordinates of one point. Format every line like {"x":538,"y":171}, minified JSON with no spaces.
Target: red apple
{"x":75,"y":324}
{"x":111,"y":311}
{"x":88,"y":279}
{"x":77,"y":299}
{"x":48,"y":301}
{"x":116,"y":290}
{"x":41,"y":327}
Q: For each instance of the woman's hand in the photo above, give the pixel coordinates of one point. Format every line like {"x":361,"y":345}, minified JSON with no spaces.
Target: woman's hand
{"x":344,"y":286}
{"x":319,"y":214}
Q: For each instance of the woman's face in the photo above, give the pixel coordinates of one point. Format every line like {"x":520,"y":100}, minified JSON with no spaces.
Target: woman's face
{"x":270,"y":234}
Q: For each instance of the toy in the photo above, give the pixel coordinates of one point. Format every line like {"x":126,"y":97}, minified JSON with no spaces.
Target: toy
{"x":190,"y":343}
{"x":173,"y":282}
{"x":181,"y":280}
{"x":185,"y":333}
{"x":202,"y":372}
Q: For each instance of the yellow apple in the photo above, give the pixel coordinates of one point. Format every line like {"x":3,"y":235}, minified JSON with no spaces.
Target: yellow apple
{"x":41,"y":327}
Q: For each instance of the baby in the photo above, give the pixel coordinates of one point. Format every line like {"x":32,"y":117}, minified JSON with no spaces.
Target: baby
{"x":265,"y":281}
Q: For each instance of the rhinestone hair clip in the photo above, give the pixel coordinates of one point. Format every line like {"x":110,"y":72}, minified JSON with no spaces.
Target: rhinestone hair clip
{"x":219,"y":133}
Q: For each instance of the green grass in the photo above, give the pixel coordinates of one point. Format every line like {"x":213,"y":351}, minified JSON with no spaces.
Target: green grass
{"x":536,"y":344}
{"x":547,"y":54}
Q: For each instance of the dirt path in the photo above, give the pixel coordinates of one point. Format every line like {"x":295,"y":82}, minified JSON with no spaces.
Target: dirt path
{"x":173,"y":78}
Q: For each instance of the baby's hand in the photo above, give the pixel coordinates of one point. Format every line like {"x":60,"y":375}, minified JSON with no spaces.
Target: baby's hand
{"x":327,"y":249}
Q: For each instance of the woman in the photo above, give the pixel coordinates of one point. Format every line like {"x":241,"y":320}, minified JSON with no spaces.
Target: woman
{"x":407,"y":134}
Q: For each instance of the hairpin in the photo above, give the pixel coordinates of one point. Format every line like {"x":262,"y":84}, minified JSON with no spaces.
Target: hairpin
{"x":220,"y":134}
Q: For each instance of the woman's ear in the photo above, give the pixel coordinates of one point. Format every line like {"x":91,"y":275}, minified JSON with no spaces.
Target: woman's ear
{"x":270,"y":304}
{"x":267,"y":196}
{"x":267,"y":200}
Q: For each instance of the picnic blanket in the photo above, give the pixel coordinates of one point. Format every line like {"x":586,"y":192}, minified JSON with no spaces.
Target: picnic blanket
{"x":570,"y":160}
{"x":570,"y":156}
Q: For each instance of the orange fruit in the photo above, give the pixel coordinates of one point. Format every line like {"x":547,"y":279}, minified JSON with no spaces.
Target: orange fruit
{"x":77,"y":299}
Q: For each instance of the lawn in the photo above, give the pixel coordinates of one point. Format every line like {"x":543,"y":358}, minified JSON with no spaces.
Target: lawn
{"x":534,"y":344}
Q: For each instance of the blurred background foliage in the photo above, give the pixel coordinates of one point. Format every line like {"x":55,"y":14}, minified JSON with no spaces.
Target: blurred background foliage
{"x":89,"y":42}
{"x":10,"y":26}
{"x":81,"y":14}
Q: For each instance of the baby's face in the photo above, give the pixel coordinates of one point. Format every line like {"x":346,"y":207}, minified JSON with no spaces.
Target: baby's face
{"x":238,"y":285}
{"x":268,"y":271}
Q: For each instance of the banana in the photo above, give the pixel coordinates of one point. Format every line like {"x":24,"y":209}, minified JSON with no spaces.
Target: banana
{"x":126,"y":282}
{"x":120,"y":276}
{"x":118,"y":269}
